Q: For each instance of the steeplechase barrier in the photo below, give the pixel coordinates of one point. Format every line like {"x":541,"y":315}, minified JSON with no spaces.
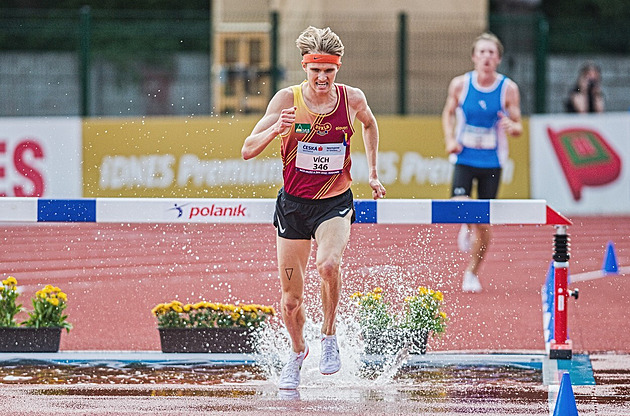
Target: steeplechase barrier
{"x":261,"y":211}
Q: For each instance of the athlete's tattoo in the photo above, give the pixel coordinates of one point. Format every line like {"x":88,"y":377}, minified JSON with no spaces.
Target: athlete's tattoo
{"x":289,"y":272}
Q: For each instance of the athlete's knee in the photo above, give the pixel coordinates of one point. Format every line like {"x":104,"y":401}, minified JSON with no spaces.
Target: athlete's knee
{"x":484,"y":233}
{"x":328,"y":268}
{"x":291,"y":303}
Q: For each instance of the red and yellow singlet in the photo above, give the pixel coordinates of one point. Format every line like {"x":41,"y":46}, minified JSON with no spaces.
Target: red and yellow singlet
{"x":316,"y":151}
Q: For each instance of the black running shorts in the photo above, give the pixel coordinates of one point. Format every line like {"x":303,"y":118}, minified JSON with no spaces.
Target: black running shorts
{"x":298,"y":218}
{"x":488,"y":180}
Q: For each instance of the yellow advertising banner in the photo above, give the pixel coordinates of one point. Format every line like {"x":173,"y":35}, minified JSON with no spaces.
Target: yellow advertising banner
{"x":200,"y":157}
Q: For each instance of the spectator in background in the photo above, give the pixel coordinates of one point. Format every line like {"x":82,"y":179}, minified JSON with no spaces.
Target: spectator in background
{"x":586,"y":96}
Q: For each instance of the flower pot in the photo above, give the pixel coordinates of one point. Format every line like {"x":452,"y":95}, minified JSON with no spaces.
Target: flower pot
{"x":391,"y":340}
{"x":29,"y":339}
{"x":224,"y":340}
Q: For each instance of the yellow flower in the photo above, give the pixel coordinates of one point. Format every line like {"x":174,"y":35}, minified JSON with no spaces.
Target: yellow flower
{"x":443,"y":315}
{"x":438,"y":296}
{"x":378,"y":290}
{"x":53,"y":301}
{"x":177,"y":308}
{"x":10,"y":281}
{"x":187,"y":308}
{"x":423,"y":290}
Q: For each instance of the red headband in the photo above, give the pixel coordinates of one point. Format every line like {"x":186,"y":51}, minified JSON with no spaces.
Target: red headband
{"x":316,"y":58}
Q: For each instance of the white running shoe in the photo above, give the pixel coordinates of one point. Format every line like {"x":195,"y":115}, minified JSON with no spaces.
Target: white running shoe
{"x":464,"y":239}
{"x":290,"y":376}
{"x":471,"y":282}
{"x":330,"y":361}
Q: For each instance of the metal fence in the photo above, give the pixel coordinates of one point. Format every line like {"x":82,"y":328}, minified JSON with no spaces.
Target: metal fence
{"x":104,"y":63}
{"x":161,"y":63}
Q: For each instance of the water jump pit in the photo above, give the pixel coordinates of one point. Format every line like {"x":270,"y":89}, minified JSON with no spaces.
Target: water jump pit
{"x":96,"y":382}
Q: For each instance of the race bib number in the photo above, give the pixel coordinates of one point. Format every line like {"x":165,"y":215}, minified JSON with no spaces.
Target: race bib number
{"x":479,"y":138}
{"x":323,"y":159}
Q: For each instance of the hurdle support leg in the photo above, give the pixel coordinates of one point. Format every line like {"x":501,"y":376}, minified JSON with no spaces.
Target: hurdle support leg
{"x":560,"y":346}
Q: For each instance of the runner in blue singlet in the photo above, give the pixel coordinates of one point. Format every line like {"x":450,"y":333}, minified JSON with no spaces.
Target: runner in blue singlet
{"x":481,"y":109}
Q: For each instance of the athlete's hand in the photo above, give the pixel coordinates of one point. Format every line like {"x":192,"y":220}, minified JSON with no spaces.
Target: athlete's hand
{"x":452,"y":146}
{"x":378,"y":190}
{"x":285,"y":121}
{"x":507,"y":124}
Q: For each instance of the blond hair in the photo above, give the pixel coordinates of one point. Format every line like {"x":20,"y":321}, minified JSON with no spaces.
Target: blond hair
{"x":492,"y":38}
{"x":315,"y":40}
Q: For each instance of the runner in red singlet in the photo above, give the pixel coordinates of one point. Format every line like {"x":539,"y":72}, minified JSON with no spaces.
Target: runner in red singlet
{"x":314,"y":121}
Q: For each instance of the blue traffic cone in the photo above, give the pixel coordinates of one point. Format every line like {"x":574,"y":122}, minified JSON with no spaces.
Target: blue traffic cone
{"x":610,"y":260}
{"x":565,"y":403}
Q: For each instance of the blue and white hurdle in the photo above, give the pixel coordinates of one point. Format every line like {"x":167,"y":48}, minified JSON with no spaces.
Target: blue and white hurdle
{"x":252,"y":211}
{"x":260,"y":211}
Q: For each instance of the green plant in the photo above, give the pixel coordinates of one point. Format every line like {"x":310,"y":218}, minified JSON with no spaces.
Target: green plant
{"x":8,"y":303}
{"x":372,"y":310}
{"x":48,"y":309}
{"x":210,"y":315}
{"x":423,"y":310}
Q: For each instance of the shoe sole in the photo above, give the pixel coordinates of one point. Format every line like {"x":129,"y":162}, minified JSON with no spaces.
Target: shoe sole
{"x":328,"y":374}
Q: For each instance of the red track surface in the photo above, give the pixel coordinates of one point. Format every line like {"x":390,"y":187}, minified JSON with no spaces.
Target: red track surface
{"x":115,"y":274}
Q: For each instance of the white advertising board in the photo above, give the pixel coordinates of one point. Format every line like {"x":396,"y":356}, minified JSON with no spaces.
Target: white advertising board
{"x":41,"y":157}
{"x":579,"y":162}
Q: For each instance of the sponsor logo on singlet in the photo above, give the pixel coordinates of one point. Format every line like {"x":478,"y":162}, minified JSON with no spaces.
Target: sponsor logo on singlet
{"x":322,"y":129}
{"x":302,"y":128}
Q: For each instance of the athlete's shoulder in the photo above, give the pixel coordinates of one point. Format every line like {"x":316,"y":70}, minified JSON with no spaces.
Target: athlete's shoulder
{"x":457,"y":84}
{"x":355,"y":95}
{"x":286,"y":93}
{"x":283,"y":98}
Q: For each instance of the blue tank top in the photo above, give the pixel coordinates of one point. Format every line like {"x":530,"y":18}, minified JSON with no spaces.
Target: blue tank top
{"x":483,"y":144}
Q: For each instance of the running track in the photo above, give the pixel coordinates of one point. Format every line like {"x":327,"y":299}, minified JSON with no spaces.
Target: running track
{"x":115,"y":273}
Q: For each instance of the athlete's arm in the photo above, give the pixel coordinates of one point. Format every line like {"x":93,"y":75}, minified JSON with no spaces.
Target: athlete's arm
{"x":512,"y":123}
{"x":448,"y":115}
{"x":279,"y":116}
{"x":363,"y":113}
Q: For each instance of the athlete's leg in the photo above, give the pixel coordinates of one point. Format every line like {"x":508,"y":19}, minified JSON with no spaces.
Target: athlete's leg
{"x":479,"y":246}
{"x":292,"y":260}
{"x":487,"y":188}
{"x":332,"y":237}
{"x":461,"y":188}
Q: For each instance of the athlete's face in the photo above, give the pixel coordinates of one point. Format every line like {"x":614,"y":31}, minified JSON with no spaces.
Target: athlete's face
{"x":321,"y":76}
{"x":486,"y":55}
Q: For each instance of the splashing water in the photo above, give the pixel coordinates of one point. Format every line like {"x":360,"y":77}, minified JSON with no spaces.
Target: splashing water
{"x":274,"y":347}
